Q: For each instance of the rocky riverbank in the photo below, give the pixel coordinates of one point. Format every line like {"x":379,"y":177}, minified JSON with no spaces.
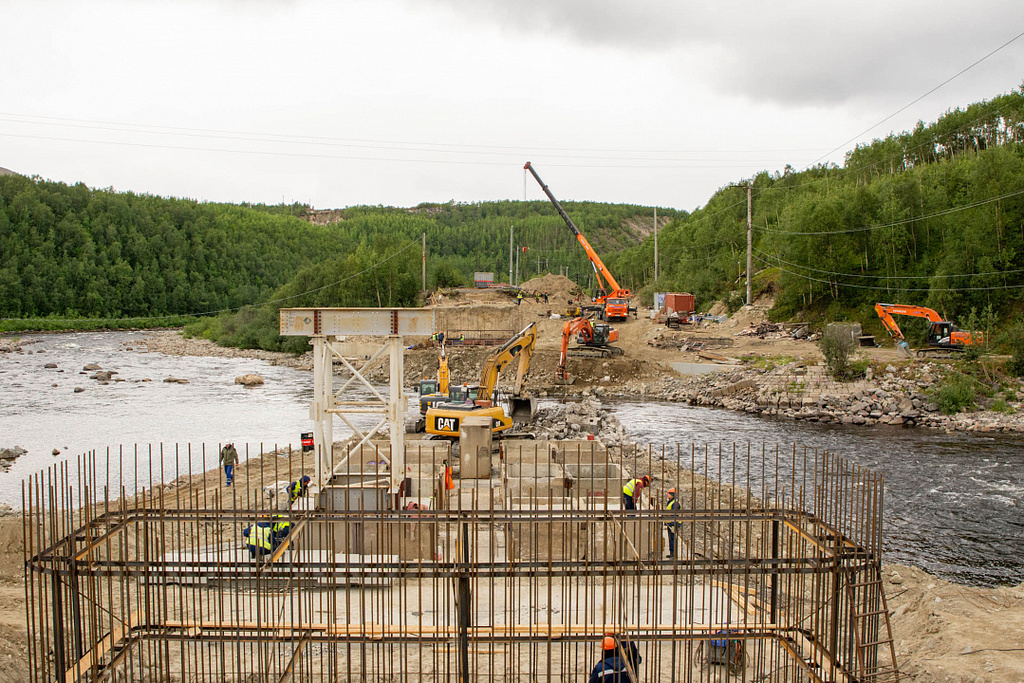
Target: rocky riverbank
{"x":172,"y":343}
{"x":897,"y":395}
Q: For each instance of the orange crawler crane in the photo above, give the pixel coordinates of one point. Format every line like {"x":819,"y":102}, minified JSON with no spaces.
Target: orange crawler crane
{"x":595,"y":342}
{"x":943,"y":336}
{"x":611,"y":301}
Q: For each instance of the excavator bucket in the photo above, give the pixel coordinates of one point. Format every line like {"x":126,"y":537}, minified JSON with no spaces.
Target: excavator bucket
{"x":904,"y":349}
{"x":523,"y":409}
{"x":565,"y":382}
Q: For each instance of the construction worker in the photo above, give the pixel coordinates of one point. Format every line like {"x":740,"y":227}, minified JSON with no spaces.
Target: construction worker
{"x":614,"y":667}
{"x":449,"y":482}
{"x":672,"y":506}
{"x":437,"y":337}
{"x":519,"y":297}
{"x":631,"y":491}
{"x":282,"y":527}
{"x":259,"y":539}
{"x":228,"y":458}
{"x":297,"y":489}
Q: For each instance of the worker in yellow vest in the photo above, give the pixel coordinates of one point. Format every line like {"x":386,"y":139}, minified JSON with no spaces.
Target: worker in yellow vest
{"x":259,"y":539}
{"x":672,"y":506}
{"x":281,"y":527}
{"x":298,"y":489}
{"x":631,"y":491}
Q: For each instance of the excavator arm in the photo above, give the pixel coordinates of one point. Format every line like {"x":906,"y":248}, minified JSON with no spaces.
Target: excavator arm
{"x":520,"y":346}
{"x":604,"y":277}
{"x":887,"y":311}
{"x":585,"y":328}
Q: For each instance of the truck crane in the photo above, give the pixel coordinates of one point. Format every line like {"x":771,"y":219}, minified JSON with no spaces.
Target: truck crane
{"x":943,"y":336}
{"x":611,"y":301}
{"x":595,"y":342}
{"x":444,"y":419}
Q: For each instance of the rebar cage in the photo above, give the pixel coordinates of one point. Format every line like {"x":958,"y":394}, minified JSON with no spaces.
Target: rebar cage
{"x":519,"y":576}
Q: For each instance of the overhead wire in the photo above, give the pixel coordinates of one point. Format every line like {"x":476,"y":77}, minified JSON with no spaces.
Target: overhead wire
{"x":836,"y":283}
{"x":882,"y":226}
{"x":888,"y":277}
{"x":669,"y":163}
{"x":912,"y":103}
{"x":281,"y":137}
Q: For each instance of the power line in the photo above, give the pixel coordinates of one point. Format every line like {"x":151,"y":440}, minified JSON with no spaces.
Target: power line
{"x":279,"y":137}
{"x":910,"y":104}
{"x":882,"y":226}
{"x":880,"y":288}
{"x":356,"y":157}
{"x":889,"y":277}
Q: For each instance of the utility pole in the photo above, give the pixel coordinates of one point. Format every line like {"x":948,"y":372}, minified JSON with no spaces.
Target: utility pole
{"x":424,"y":262}
{"x":511,"y":252}
{"x":750,"y":245}
{"x":655,"y":244}
{"x":517,"y":268}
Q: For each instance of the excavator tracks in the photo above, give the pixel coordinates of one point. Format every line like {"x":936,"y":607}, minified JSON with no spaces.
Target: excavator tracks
{"x":594,"y":351}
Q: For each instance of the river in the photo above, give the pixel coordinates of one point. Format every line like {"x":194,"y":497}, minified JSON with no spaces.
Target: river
{"x":954,"y":502}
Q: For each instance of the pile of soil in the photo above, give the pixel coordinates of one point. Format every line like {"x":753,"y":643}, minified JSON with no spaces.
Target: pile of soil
{"x":556,"y":286}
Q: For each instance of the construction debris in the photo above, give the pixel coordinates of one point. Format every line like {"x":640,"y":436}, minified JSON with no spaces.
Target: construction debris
{"x":764,"y":330}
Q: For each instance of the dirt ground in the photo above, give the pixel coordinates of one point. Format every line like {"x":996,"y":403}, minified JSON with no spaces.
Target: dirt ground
{"x":944,"y":632}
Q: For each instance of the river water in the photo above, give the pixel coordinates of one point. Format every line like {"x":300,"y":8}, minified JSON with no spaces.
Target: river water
{"x":954,"y":503}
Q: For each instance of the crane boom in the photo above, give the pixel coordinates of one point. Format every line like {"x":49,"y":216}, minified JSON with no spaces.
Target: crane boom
{"x":612,"y":290}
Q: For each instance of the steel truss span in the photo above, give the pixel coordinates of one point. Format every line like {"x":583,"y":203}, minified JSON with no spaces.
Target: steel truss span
{"x":776,"y":574}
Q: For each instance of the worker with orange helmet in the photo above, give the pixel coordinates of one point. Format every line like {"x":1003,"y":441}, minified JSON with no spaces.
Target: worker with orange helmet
{"x":631,"y":491}
{"x":672,"y":506}
{"x":619,"y":662}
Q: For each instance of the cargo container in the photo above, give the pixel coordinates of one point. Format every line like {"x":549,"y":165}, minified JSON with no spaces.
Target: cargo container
{"x":683,"y":304}
{"x":483,"y":280}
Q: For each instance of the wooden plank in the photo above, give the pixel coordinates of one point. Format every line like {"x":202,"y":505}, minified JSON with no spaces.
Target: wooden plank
{"x":93,"y":656}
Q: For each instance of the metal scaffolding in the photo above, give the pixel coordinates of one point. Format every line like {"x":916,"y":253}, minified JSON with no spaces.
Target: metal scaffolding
{"x":776,"y":574}
{"x":327,"y":327}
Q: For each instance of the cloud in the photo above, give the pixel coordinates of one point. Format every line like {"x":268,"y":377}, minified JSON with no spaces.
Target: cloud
{"x":799,"y":52}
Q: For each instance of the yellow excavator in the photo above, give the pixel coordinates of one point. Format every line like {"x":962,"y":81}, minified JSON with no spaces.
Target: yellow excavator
{"x":436,"y":391}
{"x":444,"y":419}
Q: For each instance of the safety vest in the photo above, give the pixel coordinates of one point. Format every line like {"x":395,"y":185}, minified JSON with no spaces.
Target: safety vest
{"x":673,"y":504}
{"x":630,"y":487}
{"x":295,"y":491}
{"x":282,"y":527}
{"x":260,"y":537}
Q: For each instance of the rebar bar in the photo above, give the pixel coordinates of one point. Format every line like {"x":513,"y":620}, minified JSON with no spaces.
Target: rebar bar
{"x":137,"y":569}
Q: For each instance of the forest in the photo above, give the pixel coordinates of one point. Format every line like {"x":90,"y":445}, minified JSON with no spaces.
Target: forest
{"x":76,"y":257}
{"x":934,"y":216}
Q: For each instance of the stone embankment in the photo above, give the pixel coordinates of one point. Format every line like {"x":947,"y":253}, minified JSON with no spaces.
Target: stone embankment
{"x":896,"y":396}
{"x":577,"y":420}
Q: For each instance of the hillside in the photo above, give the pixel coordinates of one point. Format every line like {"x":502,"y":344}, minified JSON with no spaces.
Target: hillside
{"x":72,"y":253}
{"x":932,"y":216}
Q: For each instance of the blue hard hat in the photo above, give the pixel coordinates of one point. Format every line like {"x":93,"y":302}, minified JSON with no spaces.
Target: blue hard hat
{"x":305,"y":480}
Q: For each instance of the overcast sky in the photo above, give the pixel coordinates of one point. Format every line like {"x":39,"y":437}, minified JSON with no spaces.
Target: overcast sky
{"x":398,"y":102}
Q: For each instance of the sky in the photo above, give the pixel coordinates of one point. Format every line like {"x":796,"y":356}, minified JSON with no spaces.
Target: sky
{"x":398,"y":102}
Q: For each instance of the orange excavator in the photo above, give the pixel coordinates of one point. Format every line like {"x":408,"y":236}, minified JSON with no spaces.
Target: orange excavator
{"x":611,"y":302}
{"x":943,"y":336}
{"x":594,"y":341}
